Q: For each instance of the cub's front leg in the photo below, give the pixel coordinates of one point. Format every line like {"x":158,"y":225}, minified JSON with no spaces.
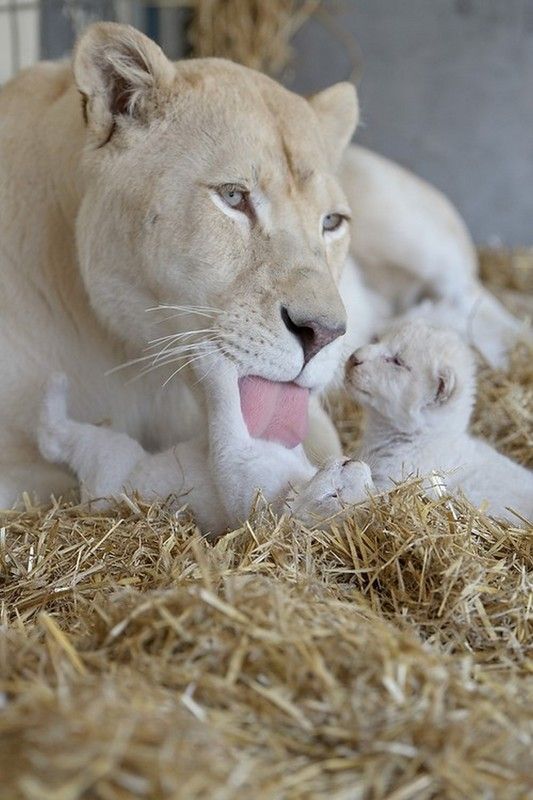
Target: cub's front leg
{"x":108,"y":464}
{"x":101,"y":459}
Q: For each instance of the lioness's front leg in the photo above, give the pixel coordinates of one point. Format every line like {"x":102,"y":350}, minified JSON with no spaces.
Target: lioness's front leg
{"x":241,"y":465}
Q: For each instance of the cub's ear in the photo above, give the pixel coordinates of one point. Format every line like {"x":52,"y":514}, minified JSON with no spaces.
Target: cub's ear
{"x":337,"y":109}
{"x":119,"y":72}
{"x":446,"y":383}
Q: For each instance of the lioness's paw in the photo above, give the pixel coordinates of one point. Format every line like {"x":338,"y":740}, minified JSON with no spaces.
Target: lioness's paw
{"x":340,"y":483}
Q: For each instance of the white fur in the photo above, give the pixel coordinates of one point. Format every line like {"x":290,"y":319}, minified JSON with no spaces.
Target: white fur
{"x":411,"y":243}
{"x":218,"y":481}
{"x":417,"y":416}
{"x":113,"y":215}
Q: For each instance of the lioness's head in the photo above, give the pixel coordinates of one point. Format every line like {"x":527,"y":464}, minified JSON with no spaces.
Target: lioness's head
{"x":208,"y":185}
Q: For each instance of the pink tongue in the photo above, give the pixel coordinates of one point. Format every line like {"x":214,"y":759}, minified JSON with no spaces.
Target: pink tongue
{"x":277,"y":412}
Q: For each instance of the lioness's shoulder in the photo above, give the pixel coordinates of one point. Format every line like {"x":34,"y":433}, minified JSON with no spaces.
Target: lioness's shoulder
{"x":42,"y":83}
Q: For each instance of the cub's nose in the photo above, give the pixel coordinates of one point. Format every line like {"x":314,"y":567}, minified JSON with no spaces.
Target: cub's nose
{"x":354,"y":360}
{"x":312,"y":334}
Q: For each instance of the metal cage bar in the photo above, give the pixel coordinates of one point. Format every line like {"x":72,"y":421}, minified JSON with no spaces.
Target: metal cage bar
{"x":35,"y":29}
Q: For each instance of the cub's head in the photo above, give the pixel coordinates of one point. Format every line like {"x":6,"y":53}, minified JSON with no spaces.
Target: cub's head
{"x":417,"y":378}
{"x":210,"y":188}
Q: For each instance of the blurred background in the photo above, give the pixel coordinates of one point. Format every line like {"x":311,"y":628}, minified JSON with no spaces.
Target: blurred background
{"x":446,"y":86}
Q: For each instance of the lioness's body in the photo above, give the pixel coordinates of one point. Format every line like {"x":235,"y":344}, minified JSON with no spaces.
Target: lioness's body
{"x":48,"y":322}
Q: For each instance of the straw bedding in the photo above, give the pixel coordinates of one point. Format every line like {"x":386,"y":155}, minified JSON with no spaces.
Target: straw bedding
{"x":256,"y":33}
{"x":387,"y":656}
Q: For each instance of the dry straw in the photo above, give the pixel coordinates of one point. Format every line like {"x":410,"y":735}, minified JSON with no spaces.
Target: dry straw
{"x":256,"y":33}
{"x":387,"y":656}
{"x":252,"y":32}
{"x":259,"y":33}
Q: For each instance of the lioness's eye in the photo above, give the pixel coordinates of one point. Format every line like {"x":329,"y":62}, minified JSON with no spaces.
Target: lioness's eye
{"x":233,"y":197}
{"x":332,"y":222}
{"x":237,"y":198}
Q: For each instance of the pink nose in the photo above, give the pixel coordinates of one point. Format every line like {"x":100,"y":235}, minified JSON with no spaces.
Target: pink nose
{"x":312,"y":334}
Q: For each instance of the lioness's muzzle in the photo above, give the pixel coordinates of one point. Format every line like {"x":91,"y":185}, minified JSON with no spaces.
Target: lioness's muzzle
{"x":313,"y":334}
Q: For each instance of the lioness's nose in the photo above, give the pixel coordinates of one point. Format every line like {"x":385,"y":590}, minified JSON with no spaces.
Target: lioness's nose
{"x":312,"y":334}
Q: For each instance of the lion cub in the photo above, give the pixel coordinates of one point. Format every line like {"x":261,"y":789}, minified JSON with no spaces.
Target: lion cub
{"x":417,"y":385}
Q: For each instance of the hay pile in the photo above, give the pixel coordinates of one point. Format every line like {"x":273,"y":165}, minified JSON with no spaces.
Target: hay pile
{"x":256,"y":33}
{"x":386,"y":657}
{"x":259,"y":33}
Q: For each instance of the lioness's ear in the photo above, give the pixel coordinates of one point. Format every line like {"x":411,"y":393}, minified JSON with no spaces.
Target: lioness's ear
{"x":118,"y":71}
{"x":337,"y":110}
{"x":446,"y":382}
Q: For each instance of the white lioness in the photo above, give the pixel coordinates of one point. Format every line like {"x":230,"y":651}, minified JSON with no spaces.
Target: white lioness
{"x":417,"y":385}
{"x":129,"y":183}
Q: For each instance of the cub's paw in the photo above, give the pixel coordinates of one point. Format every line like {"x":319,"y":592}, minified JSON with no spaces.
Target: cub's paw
{"x":341,"y":483}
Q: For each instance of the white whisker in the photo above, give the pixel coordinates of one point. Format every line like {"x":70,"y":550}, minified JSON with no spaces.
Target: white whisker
{"x":173,"y":307}
{"x":169,"y":353}
{"x":178,"y":353}
{"x":202,"y":311}
{"x":131,"y":363}
{"x":178,"y":336}
{"x":189,"y":362}
{"x":174,"y":346}
{"x":140,"y":359}
{"x":169,"y":362}
{"x":179,"y":314}
{"x":224,"y":352}
{"x":174,"y":343}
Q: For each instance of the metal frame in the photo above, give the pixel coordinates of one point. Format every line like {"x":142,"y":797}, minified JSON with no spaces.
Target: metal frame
{"x":35,"y":29}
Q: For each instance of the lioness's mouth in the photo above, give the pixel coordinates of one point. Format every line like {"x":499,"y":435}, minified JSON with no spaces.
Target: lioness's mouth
{"x":275,"y":411}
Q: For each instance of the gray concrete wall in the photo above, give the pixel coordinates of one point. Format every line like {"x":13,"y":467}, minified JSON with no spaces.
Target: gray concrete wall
{"x":446,"y":89}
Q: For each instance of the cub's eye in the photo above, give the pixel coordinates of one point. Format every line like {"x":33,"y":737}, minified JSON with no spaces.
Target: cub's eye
{"x":396,"y":360}
{"x":332,"y":222}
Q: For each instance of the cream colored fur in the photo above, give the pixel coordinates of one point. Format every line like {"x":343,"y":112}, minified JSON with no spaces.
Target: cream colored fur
{"x":417,"y":385}
{"x":416,"y":253}
{"x":217,"y":477}
{"x":106,"y":217}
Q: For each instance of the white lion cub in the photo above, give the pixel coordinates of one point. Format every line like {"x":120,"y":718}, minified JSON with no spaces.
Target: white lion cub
{"x":218,"y":482}
{"x":417,"y":385}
